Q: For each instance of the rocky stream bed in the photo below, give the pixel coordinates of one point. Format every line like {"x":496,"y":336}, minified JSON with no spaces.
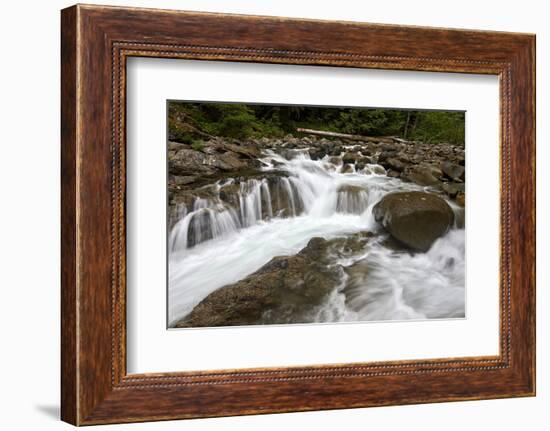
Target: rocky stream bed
{"x":300,"y":230}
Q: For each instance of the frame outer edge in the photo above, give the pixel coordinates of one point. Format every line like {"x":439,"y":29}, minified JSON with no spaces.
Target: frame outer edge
{"x":87,"y":396}
{"x":69,"y":197}
{"x":533,"y":53}
{"x":523,"y":217}
{"x":532,"y":82}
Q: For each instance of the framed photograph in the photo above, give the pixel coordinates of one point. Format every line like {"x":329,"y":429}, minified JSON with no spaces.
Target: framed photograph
{"x":263,"y":214}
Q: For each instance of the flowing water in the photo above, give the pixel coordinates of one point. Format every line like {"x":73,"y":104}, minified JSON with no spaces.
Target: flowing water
{"x":240,"y":227}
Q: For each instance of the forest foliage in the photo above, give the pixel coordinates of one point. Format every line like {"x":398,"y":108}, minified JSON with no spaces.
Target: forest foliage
{"x":192,"y":123}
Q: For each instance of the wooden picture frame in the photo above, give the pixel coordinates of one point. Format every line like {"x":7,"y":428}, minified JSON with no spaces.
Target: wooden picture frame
{"x":95,"y":43}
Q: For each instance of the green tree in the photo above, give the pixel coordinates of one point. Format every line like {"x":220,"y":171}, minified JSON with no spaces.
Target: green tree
{"x":190,"y":122}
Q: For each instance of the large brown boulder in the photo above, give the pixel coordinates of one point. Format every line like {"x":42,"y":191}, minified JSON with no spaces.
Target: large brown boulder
{"x":416,"y":219}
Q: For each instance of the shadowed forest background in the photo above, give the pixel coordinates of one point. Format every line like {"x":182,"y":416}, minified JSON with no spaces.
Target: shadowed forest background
{"x":193,"y":122}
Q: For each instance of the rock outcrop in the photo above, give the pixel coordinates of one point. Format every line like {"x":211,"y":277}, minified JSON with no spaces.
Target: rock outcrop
{"x":434,"y":165}
{"x":195,"y":169}
{"x":284,"y":290}
{"x":427,"y":164}
{"x":288,"y":289}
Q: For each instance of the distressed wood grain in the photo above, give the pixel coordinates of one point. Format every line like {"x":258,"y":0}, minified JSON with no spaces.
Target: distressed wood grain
{"x":95,"y":43}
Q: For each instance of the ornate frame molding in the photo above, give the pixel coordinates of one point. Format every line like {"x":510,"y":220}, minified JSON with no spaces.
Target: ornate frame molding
{"x":96,"y":41}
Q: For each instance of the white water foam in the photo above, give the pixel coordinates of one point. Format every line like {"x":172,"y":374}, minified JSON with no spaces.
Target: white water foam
{"x":243,"y":238}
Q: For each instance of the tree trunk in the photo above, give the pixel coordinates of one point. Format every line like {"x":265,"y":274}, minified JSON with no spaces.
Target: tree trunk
{"x":385,"y":139}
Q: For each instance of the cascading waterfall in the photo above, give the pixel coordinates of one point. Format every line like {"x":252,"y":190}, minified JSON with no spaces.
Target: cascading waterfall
{"x":239,"y":227}
{"x":290,"y":193}
{"x":350,"y":200}
{"x":401,"y":286}
{"x":211,"y":218}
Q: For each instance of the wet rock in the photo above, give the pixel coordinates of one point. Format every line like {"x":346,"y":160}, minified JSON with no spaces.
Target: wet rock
{"x":226,"y":162}
{"x":416,"y":219}
{"x":364,"y":160}
{"x":230,"y":194}
{"x":394,"y":164}
{"x":174,"y":146}
{"x":375,"y":169}
{"x":285,"y":290}
{"x":335,"y":160}
{"x":453,"y":171}
{"x":187,"y":198}
{"x":366,"y":149}
{"x":420,"y":174}
{"x":182,"y":180}
{"x":385,"y":155}
{"x":347,"y":169}
{"x":187,"y":162}
{"x":289,"y":154}
{"x":436,"y":171}
{"x":389,"y":146}
{"x":212,"y":158}
{"x":403,"y":157}
{"x":362,"y":163}
{"x":335,"y":150}
{"x":396,"y":246}
{"x":359,"y":166}
{"x":452,"y":189}
{"x":350,"y":157}
{"x":349,"y":245}
{"x":460,"y":199}
{"x":249,"y":151}
{"x":316,"y":153}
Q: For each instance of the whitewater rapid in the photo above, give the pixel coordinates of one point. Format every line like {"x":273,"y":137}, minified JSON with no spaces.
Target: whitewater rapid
{"x":328,"y":199}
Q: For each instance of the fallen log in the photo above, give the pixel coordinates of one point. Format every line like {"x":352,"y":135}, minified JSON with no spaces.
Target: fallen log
{"x":383,"y":139}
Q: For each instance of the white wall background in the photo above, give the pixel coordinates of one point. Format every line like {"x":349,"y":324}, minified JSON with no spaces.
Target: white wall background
{"x":29,"y":225}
